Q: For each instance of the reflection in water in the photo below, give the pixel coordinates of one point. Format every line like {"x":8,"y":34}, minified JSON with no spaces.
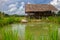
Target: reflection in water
{"x":20,"y":28}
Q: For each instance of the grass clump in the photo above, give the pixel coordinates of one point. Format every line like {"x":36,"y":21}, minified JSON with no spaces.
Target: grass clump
{"x":10,"y":20}
{"x":8,"y":34}
{"x":42,"y":31}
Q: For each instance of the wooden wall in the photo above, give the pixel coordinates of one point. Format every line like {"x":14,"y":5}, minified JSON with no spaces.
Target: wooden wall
{"x":38,"y":15}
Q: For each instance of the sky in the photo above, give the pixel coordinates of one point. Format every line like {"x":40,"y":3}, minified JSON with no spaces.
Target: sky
{"x":17,"y":6}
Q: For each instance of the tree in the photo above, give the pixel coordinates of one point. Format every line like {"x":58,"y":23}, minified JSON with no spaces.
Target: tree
{"x":58,"y":13}
{"x":1,"y":14}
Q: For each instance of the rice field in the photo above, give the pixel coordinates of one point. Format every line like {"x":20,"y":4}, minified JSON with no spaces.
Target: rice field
{"x":30,"y":31}
{"x":42,"y":31}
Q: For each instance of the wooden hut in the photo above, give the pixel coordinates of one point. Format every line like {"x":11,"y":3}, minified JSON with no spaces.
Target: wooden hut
{"x":39,"y":10}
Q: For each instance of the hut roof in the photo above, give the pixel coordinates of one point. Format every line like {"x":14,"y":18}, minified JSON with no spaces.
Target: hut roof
{"x":39,"y":7}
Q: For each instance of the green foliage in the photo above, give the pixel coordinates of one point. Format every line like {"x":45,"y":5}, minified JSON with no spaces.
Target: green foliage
{"x":54,"y":19}
{"x":41,"y":31}
{"x":58,"y":13}
{"x":10,"y":20}
{"x":8,"y":34}
{"x":6,"y":19}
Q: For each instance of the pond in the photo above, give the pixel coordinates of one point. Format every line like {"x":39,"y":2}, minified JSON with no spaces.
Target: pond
{"x":30,"y":31}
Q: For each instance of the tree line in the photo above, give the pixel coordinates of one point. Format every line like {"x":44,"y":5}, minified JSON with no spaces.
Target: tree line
{"x":3,"y":14}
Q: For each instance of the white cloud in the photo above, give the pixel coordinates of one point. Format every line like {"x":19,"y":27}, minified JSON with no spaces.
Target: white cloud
{"x":21,"y":9}
{"x":22,"y":3}
{"x":53,"y":2}
{"x":13,"y":9}
{"x":56,"y":3}
{"x":12,"y":5}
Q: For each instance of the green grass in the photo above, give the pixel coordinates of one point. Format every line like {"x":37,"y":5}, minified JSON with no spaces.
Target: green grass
{"x":33,"y":31}
{"x":45,"y":30}
{"x":7,"y":34}
{"x":10,"y":20}
{"x":52,"y":19}
{"x":37,"y":31}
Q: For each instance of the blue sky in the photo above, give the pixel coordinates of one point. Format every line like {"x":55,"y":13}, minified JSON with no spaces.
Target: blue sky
{"x":17,"y":6}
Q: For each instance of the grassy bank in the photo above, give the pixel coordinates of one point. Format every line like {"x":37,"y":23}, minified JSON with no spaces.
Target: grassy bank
{"x":10,"y":20}
{"x":51,"y":19}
